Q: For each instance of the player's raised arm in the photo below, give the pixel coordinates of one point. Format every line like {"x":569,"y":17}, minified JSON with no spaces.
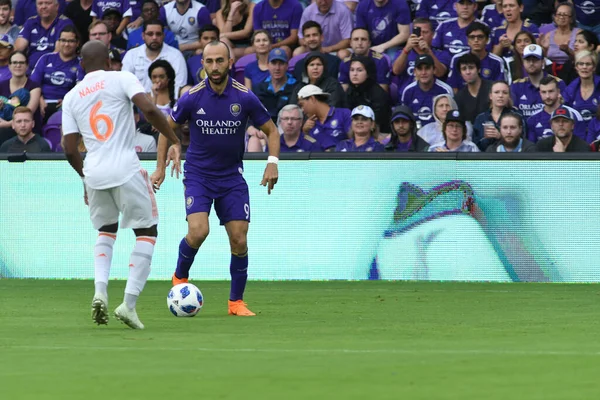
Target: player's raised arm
{"x":271,"y":172}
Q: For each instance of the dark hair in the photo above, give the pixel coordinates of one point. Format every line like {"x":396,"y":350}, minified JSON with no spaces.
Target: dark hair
{"x":573,"y":18}
{"x":478,"y":26}
{"x":207,"y":28}
{"x":153,"y":22}
{"x":467,"y":59}
{"x":71,"y":29}
{"x":518,"y":58}
{"x":548,"y":79}
{"x":421,"y":20}
{"x":226,"y":7}
{"x":264,"y":32}
{"x":511,"y":114}
{"x":464,"y":128}
{"x":360,"y":29}
{"x":6,"y":3}
{"x":312,"y":24}
{"x":164,"y":64}
{"x":153,"y":2}
{"x":590,"y":37}
{"x":14,"y":53}
{"x":519,"y":2}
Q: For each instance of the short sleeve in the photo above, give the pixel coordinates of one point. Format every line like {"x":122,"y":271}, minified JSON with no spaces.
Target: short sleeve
{"x":130,"y":84}
{"x":296,"y":16}
{"x":180,"y":112}
{"x":403,"y":17}
{"x":38,"y":71}
{"x":256,"y":111}
{"x":69,"y":125}
{"x":203,"y":17}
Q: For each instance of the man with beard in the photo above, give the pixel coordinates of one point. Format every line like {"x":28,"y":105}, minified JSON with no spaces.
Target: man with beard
{"x":511,"y":132}
{"x":404,"y":132}
{"x":538,"y":125}
{"x":218,"y":110}
{"x":138,"y":60}
{"x":563,"y":140}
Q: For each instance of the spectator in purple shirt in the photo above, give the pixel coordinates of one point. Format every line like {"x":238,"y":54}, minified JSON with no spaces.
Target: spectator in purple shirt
{"x":388,"y":22}
{"x":57,"y":73}
{"x":492,"y":14}
{"x":281,"y":18}
{"x":257,"y":71}
{"x":437,"y":11}
{"x":503,"y":36}
{"x":184,"y":18}
{"x":336,"y":22}
{"x":39,"y":34}
{"x":362,"y":133}
{"x":28,"y":8}
{"x":451,"y":35}
{"x":289,"y":121}
{"x":6,"y":49}
{"x":100,"y":6}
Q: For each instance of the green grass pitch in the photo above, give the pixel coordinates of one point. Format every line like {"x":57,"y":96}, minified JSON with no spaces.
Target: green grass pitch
{"x":310,"y":340}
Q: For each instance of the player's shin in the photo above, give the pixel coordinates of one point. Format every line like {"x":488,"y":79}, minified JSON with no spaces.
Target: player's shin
{"x":239,"y":275}
{"x":103,"y":252}
{"x":185,"y":259}
{"x":139,"y":268}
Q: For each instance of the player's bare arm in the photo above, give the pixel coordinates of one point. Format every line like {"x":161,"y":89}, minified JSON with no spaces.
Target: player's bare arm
{"x":271,"y":173}
{"x":163,"y":158}
{"x":70,"y":144}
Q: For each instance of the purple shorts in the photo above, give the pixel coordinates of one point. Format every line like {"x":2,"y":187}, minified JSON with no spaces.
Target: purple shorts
{"x":231,"y":197}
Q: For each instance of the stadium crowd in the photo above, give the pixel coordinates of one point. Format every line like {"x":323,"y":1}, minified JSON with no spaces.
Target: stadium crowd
{"x":353,"y":75}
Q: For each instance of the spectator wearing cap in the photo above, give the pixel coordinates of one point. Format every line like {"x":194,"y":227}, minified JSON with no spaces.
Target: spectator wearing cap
{"x":563,"y":140}
{"x":149,"y":13}
{"x":79,"y":11}
{"x":511,"y":136}
{"x":313,"y":41}
{"x":40,"y":33}
{"x":455,"y":135}
{"x":526,"y":92}
{"x":437,"y":11}
{"x":138,"y":60}
{"x":404,"y":132}
{"x":474,"y":97}
{"x":6,"y":27}
{"x":336,"y":21}
{"x":360,"y":43}
{"x":289,"y":121}
{"x":276,"y":90}
{"x":364,"y":90}
{"x":28,"y":8}
{"x":503,"y":35}
{"x":99,"y":7}
{"x":328,"y":125}
{"x":112,"y":18}
{"x":388,"y":22}
{"x":116,"y":62}
{"x":281,"y":18}
{"x":419,"y":43}
{"x":419,"y":94}
{"x":6,"y":49}
{"x":363,"y":133}
{"x":451,"y":35}
{"x":184,"y":18}
{"x":433,"y":131}
{"x":26,"y":140}
{"x":208,"y":33}
{"x":314,"y":68}
{"x":491,"y":66}
{"x":538,"y":124}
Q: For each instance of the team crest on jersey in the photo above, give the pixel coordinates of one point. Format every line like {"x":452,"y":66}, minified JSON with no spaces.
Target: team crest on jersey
{"x":73,"y":69}
{"x":235,"y":109}
{"x":334,"y":123}
{"x":486,"y":72}
{"x":189,"y":202}
{"x":192,"y":20}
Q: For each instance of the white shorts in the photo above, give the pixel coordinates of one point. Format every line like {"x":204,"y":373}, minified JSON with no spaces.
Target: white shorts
{"x":134,"y":199}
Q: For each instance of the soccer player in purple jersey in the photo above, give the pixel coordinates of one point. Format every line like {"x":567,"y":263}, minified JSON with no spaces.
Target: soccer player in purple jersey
{"x":218,"y":110}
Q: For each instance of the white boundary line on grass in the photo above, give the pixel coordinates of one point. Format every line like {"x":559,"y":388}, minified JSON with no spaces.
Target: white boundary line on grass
{"x":458,"y":352}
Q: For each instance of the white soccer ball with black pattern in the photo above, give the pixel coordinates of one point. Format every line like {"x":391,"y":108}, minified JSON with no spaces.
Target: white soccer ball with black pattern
{"x":185,"y":300}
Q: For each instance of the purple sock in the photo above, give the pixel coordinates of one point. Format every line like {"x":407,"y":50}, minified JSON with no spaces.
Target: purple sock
{"x":185,"y":259}
{"x":239,"y":275}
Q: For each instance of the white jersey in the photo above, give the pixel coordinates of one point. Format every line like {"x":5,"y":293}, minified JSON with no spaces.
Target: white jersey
{"x":101,"y":110}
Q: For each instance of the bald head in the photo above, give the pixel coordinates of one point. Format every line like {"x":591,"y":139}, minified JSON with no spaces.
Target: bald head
{"x":216,"y":47}
{"x":94,"y":56}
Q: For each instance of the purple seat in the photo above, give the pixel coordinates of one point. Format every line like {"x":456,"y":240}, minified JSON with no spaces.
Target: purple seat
{"x":52,"y":131}
{"x":293,"y":61}
{"x":240,"y":66}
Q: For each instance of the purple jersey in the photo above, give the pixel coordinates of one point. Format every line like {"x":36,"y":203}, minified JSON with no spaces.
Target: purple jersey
{"x":408,"y":76}
{"x":450,"y":37}
{"x":304,"y":143}
{"x":55,"y":76}
{"x":349,"y":145}
{"x":593,"y":132}
{"x":100,"y":6}
{"x":217,"y":127}
{"x":527,"y":98}
{"x":41,"y":40}
{"x":437,"y":11}
{"x":381,"y":63}
{"x":501,"y":30}
{"x":420,"y":102}
{"x":491,"y":16}
{"x":5,"y":73}
{"x":28,"y":9}
{"x":492,"y":69}
{"x":255,"y":74}
{"x":587,"y":12}
{"x":280,"y":21}
{"x":382,"y":22}
{"x":588,"y":107}
{"x":538,"y":125}
{"x":335,"y":129}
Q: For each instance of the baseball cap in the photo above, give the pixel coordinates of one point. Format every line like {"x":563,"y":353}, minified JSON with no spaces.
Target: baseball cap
{"x":402,"y":112}
{"x":454,"y":115}
{"x":365,"y":111}
{"x":112,"y":11}
{"x":311,"y":90}
{"x":6,"y":41}
{"x":533,"y":50}
{"x":562,"y":112}
{"x":424,"y":59}
{"x":278,"y":54}
{"x":114,"y":55}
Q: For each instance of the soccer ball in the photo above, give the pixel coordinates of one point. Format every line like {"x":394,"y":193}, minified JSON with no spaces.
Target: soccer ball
{"x":184,"y":300}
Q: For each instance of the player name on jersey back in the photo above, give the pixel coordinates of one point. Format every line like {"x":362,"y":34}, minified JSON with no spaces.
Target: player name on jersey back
{"x":91,"y":89}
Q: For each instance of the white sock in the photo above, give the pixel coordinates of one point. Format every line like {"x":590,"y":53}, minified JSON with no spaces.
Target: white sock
{"x":103,"y":252}
{"x":139,"y":268}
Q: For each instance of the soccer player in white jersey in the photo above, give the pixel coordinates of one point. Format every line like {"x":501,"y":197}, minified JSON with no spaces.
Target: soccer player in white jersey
{"x":100,"y":109}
